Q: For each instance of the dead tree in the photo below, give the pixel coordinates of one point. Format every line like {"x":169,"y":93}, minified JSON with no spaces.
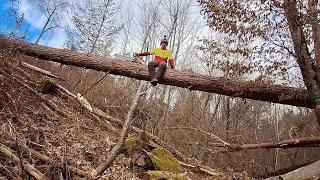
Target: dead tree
{"x":192,"y":81}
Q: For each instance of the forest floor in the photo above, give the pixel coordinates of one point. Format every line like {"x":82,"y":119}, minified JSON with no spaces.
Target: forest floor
{"x":52,"y":133}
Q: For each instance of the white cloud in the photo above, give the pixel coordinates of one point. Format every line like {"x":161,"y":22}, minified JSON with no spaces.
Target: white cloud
{"x":37,"y":20}
{"x":33,"y":17}
{"x":56,"y":41}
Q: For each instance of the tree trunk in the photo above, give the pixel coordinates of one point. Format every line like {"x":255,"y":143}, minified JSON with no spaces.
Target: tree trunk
{"x":228,"y":120}
{"x":306,"y":141}
{"x":310,"y":171}
{"x":290,"y":143}
{"x":100,"y":28}
{"x":302,"y":53}
{"x":44,"y":28}
{"x":192,"y":81}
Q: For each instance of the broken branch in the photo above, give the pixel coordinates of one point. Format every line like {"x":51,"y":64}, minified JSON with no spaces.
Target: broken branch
{"x":26,"y":166}
{"x":45,"y":72}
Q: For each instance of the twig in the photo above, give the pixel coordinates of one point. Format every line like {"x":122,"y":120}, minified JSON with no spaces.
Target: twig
{"x":56,"y":116}
{"x":39,"y":156}
{"x":26,"y":166}
{"x":12,"y":101}
{"x":36,"y":144}
{"x":10,"y":172}
{"x":203,"y":169}
{"x":96,"y":113}
{"x":47,"y":159}
{"x":105,"y":75}
{"x":48,"y":102}
{"x":78,"y":171}
{"x":19,"y":155}
{"x":217,"y":138}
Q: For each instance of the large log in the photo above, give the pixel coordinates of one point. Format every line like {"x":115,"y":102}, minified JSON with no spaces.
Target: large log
{"x":184,"y":79}
{"x":300,"y":142}
{"x":311,"y":171}
{"x":290,"y":143}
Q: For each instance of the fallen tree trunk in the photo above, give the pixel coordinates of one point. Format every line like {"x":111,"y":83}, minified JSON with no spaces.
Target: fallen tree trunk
{"x":163,"y":144}
{"x":290,"y":143}
{"x":285,"y":170}
{"x":311,"y":171}
{"x":300,"y":142}
{"x":184,"y":79}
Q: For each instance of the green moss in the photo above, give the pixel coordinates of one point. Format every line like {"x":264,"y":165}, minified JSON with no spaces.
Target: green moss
{"x":163,"y":160}
{"x":162,"y":175}
{"x":153,"y":144}
{"x":111,"y":178}
{"x":132,"y":142}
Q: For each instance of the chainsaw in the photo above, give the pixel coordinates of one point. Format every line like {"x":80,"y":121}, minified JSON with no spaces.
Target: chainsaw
{"x":137,"y":59}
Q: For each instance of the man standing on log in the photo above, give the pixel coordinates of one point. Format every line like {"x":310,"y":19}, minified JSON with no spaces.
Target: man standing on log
{"x":162,"y":55}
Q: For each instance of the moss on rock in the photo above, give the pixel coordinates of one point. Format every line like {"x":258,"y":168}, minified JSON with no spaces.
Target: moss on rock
{"x":163,"y":160}
{"x":157,"y":175}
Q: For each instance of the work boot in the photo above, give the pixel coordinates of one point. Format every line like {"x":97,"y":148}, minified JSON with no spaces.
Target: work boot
{"x":151,"y":69}
{"x":154,"y":81}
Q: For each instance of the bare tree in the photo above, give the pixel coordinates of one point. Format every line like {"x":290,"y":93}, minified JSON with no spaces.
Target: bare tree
{"x":11,"y":21}
{"x":96,"y":24}
{"x":53,"y":10}
{"x":283,"y":37}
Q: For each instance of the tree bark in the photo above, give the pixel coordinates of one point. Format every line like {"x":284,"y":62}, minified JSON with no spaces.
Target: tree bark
{"x":310,"y":171}
{"x":303,"y":54}
{"x":306,"y":141}
{"x":290,"y":143}
{"x":192,"y":81}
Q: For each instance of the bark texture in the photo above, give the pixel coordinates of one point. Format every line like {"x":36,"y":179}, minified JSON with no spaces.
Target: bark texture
{"x":184,"y":79}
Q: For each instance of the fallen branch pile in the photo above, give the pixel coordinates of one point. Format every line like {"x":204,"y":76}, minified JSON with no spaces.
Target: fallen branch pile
{"x":45,"y":130}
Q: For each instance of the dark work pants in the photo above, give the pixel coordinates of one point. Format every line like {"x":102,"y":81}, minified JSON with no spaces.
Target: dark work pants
{"x":162,"y":68}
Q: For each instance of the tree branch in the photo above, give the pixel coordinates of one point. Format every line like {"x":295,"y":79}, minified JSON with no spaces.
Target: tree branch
{"x":26,"y":166}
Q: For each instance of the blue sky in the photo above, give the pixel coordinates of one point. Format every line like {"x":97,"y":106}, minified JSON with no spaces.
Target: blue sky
{"x":34,"y":22}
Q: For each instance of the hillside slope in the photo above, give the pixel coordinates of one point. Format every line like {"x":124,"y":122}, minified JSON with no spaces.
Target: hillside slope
{"x":55,"y":136}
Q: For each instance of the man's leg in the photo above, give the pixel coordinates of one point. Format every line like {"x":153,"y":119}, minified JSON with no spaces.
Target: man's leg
{"x":151,"y":69}
{"x":160,"y":73}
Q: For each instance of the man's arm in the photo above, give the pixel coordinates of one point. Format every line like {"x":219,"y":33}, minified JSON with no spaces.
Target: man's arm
{"x":144,"y":53}
{"x":147,"y":53}
{"x":171,"y":61}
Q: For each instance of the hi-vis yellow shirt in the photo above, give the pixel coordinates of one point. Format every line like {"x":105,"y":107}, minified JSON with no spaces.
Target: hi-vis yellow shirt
{"x":161,"y":55}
